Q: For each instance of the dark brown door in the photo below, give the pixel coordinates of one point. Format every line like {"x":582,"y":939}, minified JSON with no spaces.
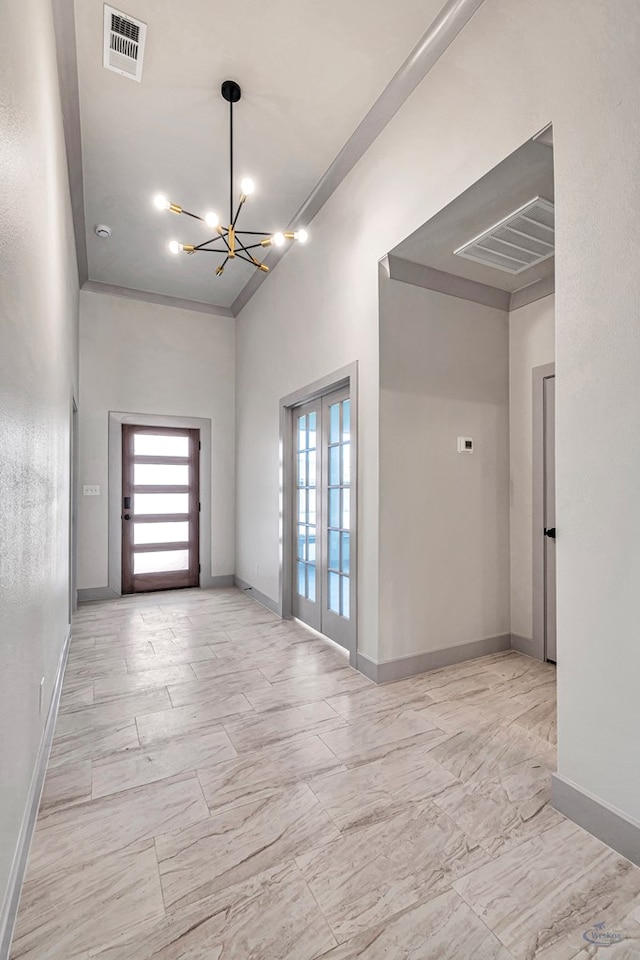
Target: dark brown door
{"x":160,"y":508}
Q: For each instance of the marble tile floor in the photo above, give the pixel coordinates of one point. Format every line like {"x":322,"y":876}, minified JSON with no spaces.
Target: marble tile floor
{"x":223,"y":786}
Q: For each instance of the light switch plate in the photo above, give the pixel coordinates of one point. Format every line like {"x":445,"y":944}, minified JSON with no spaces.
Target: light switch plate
{"x":91,"y":490}
{"x":465,"y":445}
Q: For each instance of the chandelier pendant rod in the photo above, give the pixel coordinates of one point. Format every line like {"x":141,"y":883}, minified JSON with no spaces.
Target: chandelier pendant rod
{"x":231,"y":161}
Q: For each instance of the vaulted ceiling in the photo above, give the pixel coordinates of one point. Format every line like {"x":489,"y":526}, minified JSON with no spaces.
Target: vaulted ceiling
{"x":309,"y":74}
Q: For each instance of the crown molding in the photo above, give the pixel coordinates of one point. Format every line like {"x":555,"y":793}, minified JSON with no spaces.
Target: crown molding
{"x":129,"y":293}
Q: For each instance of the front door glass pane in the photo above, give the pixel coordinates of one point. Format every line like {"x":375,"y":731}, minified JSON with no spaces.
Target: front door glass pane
{"x":176,"y":532}
{"x":161,"y":562}
{"x":155,"y":445}
{"x":161,"y":474}
{"x":147,"y":503}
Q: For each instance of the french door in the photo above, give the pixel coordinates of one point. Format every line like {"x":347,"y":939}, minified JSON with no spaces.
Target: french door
{"x":160,"y":508}
{"x":323,"y":584}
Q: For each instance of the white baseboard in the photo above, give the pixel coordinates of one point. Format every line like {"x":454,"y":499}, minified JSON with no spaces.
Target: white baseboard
{"x":257,"y":595}
{"x":390,"y":670}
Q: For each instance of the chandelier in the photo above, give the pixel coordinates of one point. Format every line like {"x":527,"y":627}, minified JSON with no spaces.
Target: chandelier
{"x":230,"y":242}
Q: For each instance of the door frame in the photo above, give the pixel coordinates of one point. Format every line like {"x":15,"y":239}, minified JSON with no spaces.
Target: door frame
{"x":116,"y":419}
{"x":540,"y":374}
{"x":344,"y":377}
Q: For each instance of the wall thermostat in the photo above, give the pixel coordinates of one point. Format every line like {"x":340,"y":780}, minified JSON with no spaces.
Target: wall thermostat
{"x":465,"y":445}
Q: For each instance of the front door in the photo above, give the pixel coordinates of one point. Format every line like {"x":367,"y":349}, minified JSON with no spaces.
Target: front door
{"x":160,"y":508}
{"x":323,"y":585}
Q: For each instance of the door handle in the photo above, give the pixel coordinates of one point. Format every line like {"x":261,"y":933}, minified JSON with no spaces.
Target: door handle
{"x":550,"y":532}
{"x":127,"y":516}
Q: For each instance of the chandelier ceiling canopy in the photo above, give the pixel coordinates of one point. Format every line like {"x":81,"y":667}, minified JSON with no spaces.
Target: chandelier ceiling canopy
{"x":230,"y":243}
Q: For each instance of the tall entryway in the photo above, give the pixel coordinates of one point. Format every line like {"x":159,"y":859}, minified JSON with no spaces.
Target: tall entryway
{"x":160,"y":508}
{"x":323,"y":523}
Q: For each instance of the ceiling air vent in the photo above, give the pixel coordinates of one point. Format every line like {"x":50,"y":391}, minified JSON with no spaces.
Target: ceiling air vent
{"x":521,"y":240}
{"x":123,"y":43}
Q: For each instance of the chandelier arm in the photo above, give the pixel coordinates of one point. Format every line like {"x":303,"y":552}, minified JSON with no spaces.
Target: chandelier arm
{"x":206,"y":242}
{"x":247,"y":259}
{"x":256,"y":233}
{"x":194,"y":215}
{"x":252,"y":259}
{"x":249,"y":246}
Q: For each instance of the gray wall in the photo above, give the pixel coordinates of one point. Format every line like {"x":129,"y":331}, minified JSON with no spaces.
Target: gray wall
{"x":531,"y":344}
{"x":145,"y":358}
{"x":516,"y":66}
{"x":444,"y":516}
{"x":38,"y":332}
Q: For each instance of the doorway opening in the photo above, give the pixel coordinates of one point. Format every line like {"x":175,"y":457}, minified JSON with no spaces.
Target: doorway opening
{"x":319,"y":519}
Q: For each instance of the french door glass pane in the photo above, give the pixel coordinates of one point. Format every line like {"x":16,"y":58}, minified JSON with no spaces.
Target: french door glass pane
{"x":311,"y":545}
{"x":334,"y":592}
{"x":334,"y":417}
{"x":302,"y":580}
{"x":146,"y":503}
{"x":302,"y":506}
{"x":161,"y":562}
{"x":311,"y":577}
{"x":345,"y":596}
{"x":334,"y":508}
{"x":301,"y":542}
{"x":161,"y":474}
{"x":346,"y":421}
{"x":346,"y":463}
{"x":334,"y":466}
{"x":334,"y":550}
{"x":345,"y":553}
{"x":312,"y":432}
{"x":346,"y":509}
{"x":176,"y":532}
{"x":302,"y":469}
{"x":155,"y":445}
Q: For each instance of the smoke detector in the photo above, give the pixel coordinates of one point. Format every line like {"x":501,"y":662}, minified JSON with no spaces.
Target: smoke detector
{"x":124,"y":39}
{"x":519,"y":241}
{"x":102,"y":231}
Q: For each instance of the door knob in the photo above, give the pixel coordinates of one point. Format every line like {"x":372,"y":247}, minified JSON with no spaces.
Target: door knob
{"x":550,"y":532}
{"x":127,"y":516}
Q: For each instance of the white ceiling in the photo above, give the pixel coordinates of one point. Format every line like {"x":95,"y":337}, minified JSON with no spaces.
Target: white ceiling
{"x":526,"y":174}
{"x":309,"y":73}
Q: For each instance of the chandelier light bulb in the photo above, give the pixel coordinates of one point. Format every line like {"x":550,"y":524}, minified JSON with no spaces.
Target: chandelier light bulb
{"x":161,"y":201}
{"x":247,"y":186}
{"x":301,"y":235}
{"x":212,"y":219}
{"x":278,"y":239}
{"x":175,"y":247}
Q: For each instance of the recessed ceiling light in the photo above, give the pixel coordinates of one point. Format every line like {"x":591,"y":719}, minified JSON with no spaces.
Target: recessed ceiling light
{"x":102,"y":231}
